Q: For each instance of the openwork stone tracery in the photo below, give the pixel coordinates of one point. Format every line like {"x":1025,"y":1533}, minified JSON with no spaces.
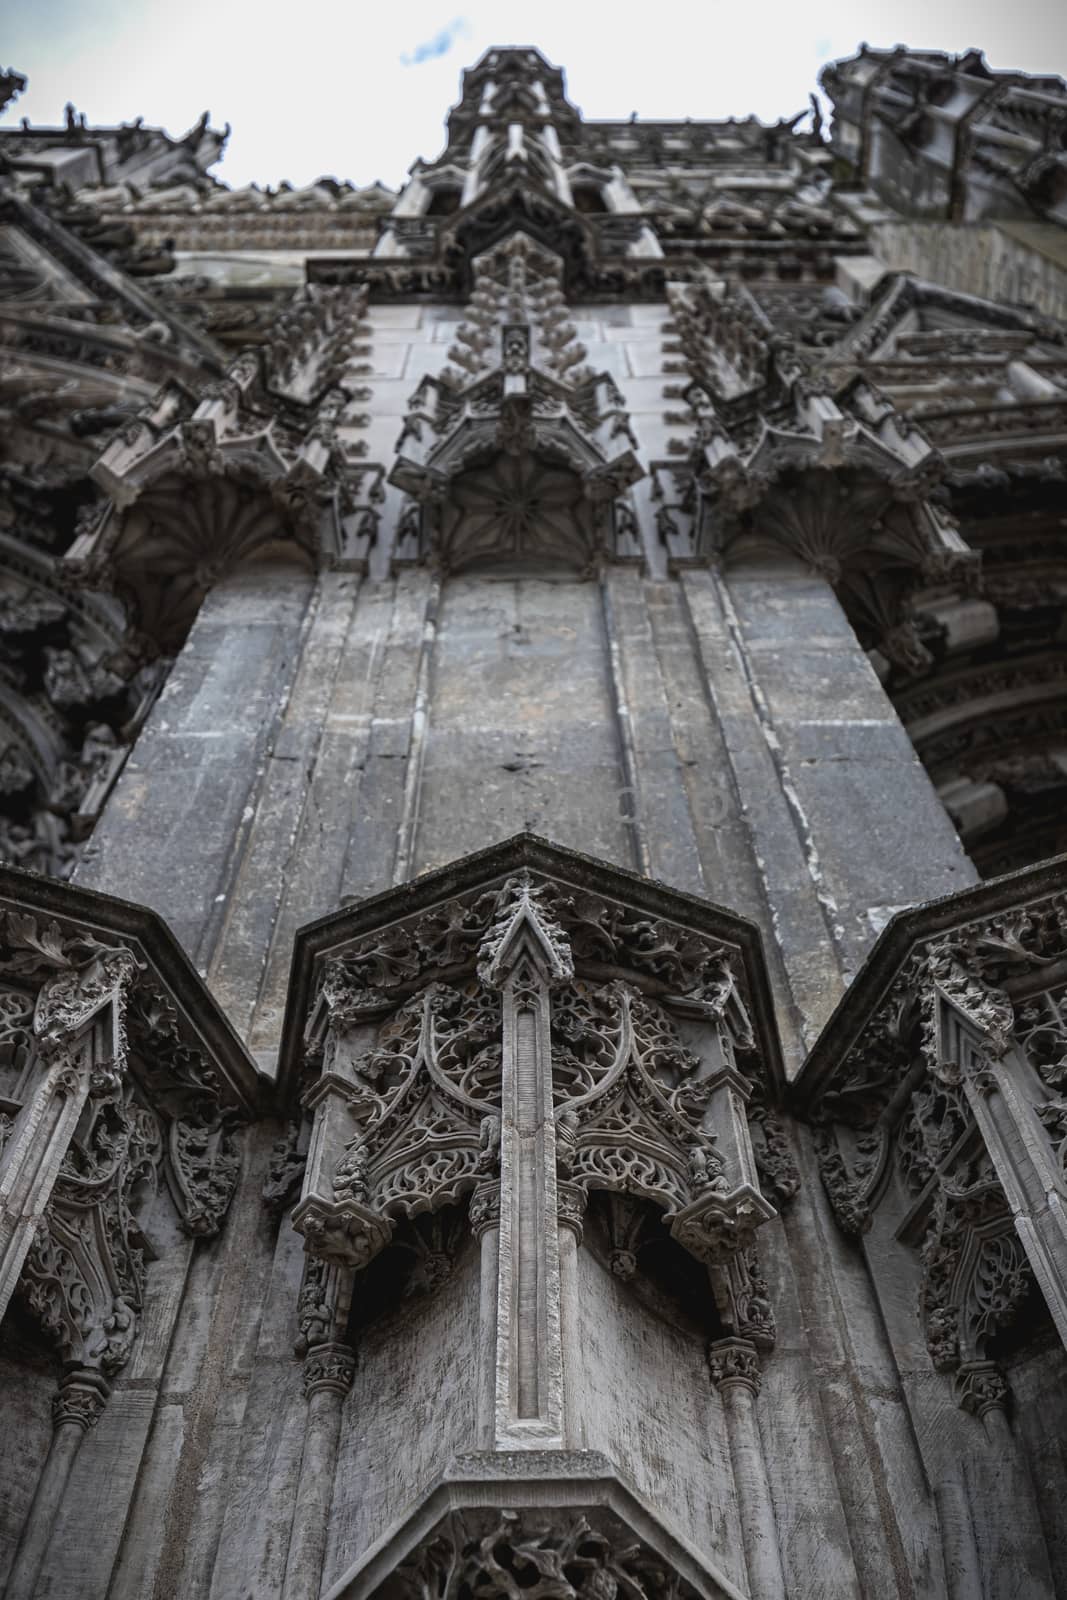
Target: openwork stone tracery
{"x":107,"y":1093}
{"x":530,"y":1036}
{"x":946,"y":1089}
{"x":118,"y":1082}
{"x":636,"y":1111}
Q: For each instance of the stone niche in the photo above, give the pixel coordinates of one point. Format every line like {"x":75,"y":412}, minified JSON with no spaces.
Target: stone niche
{"x":542,"y":1095}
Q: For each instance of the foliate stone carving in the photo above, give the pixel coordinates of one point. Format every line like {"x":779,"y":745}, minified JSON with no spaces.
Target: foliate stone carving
{"x":981,"y":1387}
{"x":286,"y":1171}
{"x":201,"y":1156}
{"x":83,"y":1278}
{"x":331,"y":1367}
{"x":951,"y":1086}
{"x":522,"y":913}
{"x":80,"y":1400}
{"x":653,"y":1063}
{"x":517,"y":450}
{"x":124,"y":1096}
{"x":73,"y":702}
{"x":743,"y":1299}
{"x":734,"y":1362}
{"x":319,"y":1306}
{"x":549,"y":1555}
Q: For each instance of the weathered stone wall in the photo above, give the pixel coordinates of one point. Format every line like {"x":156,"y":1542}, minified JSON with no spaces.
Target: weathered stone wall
{"x":27,"y":1385}
{"x":413,"y":1407}
{"x":673,"y":1451}
{"x":1016,"y":263}
{"x":771,"y":774}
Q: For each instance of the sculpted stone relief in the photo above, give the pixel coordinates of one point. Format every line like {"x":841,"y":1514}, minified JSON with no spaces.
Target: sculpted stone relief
{"x":409,"y":1035}
{"x":587,"y":1556}
{"x":198,"y":485}
{"x":955,"y":1082}
{"x":108,"y":1095}
{"x":150,"y":1110}
{"x":517,"y":449}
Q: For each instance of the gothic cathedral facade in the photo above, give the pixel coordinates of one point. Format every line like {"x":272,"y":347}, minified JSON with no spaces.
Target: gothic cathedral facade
{"x":533,"y":941}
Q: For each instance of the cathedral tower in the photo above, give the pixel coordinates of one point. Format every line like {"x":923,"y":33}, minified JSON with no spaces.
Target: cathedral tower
{"x":532,"y":761}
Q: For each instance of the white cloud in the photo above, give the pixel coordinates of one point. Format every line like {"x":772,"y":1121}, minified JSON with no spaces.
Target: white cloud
{"x":320,"y":88}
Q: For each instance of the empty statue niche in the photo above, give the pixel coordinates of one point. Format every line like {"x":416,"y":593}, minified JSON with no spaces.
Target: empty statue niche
{"x":444,"y":201}
{"x":629,"y":1237}
{"x":588,"y":199}
{"x":424,"y":1253}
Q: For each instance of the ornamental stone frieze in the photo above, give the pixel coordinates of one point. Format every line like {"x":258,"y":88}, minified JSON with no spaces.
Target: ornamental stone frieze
{"x":530,"y":1055}
{"x":517,"y":449}
{"x":937,"y":1094}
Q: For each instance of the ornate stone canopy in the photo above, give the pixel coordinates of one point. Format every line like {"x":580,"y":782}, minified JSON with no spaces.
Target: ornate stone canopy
{"x":118,"y":1073}
{"x":937,"y":1094}
{"x":658,"y":1051}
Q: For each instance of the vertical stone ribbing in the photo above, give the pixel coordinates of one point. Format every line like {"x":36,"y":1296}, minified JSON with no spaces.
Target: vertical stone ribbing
{"x":328,"y":1373}
{"x":735,"y":1372}
{"x":78,"y":1406}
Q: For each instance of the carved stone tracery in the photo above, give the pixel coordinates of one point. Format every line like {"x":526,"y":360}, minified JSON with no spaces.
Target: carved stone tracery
{"x":111,"y":1094}
{"x":199,"y":483}
{"x":407,"y":1034}
{"x":584,"y":1556}
{"x":954,"y":1081}
{"x":517,"y":450}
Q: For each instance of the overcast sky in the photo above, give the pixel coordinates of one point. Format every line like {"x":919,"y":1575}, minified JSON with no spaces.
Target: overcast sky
{"x":357,"y":90}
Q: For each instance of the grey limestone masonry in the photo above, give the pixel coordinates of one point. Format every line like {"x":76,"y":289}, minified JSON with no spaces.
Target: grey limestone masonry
{"x":533,"y":904}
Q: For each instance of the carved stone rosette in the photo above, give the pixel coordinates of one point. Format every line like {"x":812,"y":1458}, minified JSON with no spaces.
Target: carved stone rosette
{"x":941,"y":1080}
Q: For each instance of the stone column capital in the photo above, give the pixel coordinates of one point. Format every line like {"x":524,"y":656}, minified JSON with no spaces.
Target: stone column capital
{"x":981,"y":1387}
{"x":734,"y":1363}
{"x":331,"y":1367}
{"x":80,"y":1399}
